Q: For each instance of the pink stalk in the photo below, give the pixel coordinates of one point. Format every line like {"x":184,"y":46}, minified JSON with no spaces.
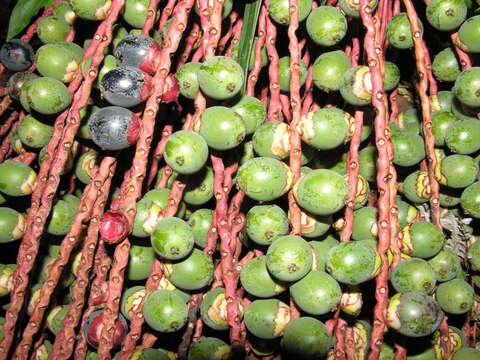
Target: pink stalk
{"x":257,"y":65}
{"x":166,"y":13}
{"x":151,"y":15}
{"x":191,"y":40}
{"x":237,"y":30}
{"x":275,"y":108}
{"x":228,"y":34}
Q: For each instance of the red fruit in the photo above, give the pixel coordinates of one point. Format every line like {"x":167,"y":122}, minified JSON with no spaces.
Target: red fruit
{"x":94,"y":325}
{"x":114,"y":227}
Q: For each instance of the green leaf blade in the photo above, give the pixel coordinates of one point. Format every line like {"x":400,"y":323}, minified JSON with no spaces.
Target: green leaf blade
{"x":22,"y":14}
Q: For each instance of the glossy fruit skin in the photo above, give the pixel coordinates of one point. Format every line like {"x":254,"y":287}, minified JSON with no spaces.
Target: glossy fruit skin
{"x":256,"y":279}
{"x":48,"y":96}
{"x":446,"y":265}
{"x":280,"y":13}
{"x":321,"y":192}
{"x":16,"y":178}
{"x":284,"y":73}
{"x":368,"y":163}
{"x":446,"y":15}
{"x":466,"y":353}
{"x":34,"y":133}
{"x":16,"y":81}
{"x":172,"y":238}
{"x":408,"y":148}
{"x":165,"y":311}
{"x":200,"y":222}
{"x":135,"y":12}
{"x":470,"y":200}
{"x":406,"y":212}
{"x":399,"y":34}
{"x":468,"y":35}
{"x":114,"y":128}
{"x":271,"y":139}
{"x":61,"y":219}
{"x":140,"y":262}
{"x":160,"y":197}
{"x":213,"y":309}
{"x":207,"y":348}
{"x":252,"y":111}
{"x":289,"y":258}
{"x":138,"y":51}
{"x":56,"y":62}
{"x":474,"y":255}
{"x":199,"y":189}
{"x":422,"y":239}
{"x":187,"y":78}
{"x":94,"y":325}
{"x":317,"y":293}
{"x":220,"y":78}
{"x":467,"y":87}
{"x":192,"y":273}
{"x":416,"y":187}
{"x":356,"y":86}
{"x":455,"y":296}
{"x":328,"y":70}
{"x":12,"y":225}
{"x":52,"y":29}
{"x":129,"y":302}
{"x":306,"y":338}
{"x":91,"y":9}
{"x":326,"y":26}
{"x":16,"y":55}
{"x":365,"y":223}
{"x":85,"y":164}
{"x":265,"y":223}
{"x":186,"y":152}
{"x":460,"y":171}
{"x":414,"y":314}
{"x":264,"y":179}
{"x":327,"y":129}
{"x":267,"y":318}
{"x":392,"y":76}
{"x":125,"y":86}
{"x":413,"y":275}
{"x":463,"y":137}
{"x":352,"y":262}
{"x":442,"y":120}
{"x":445,"y":65}
{"x":222,"y":128}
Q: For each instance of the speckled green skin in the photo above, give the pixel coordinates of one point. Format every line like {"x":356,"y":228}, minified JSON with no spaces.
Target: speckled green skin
{"x":326,"y":26}
{"x":419,"y":313}
{"x":48,"y":96}
{"x":24,"y":92}
{"x":172,"y":238}
{"x":82,"y":175}
{"x":399,"y":34}
{"x":260,"y":316}
{"x":144,"y":209}
{"x":427,"y":239}
{"x":251,"y":62}
{"x":160,"y":197}
{"x":34,"y":133}
{"x":279,"y":10}
{"x":317,"y":293}
{"x":467,"y":87}
{"x":387,"y":352}
{"x":448,"y":200}
{"x":220,"y":78}
{"x":289,"y":258}
{"x":411,"y":188}
{"x":187,"y":79}
{"x":445,"y":65}
{"x":200,"y":222}
{"x":52,"y":61}
{"x":194,"y":272}
{"x":85,"y":9}
{"x":470,"y":200}
{"x":320,"y":249}
{"x":459,"y":170}
{"x":328,"y":70}
{"x":408,"y":148}
{"x":474,"y":255}
{"x":446,"y":265}
{"x":306,"y":338}
{"x":442,"y":120}
{"x":322,"y":192}
{"x":368,"y":162}
{"x":52,"y":29}
{"x":135,"y":12}
{"x":55,"y":325}
{"x":455,"y":296}
{"x":263,"y":137}
{"x":61,"y":219}
{"x":262,"y":178}
{"x":256,"y":279}
{"x":265,"y":223}
{"x":352,"y":79}
{"x":351,"y":263}
{"x":392,"y":76}
{"x":125,"y":299}
{"x":165,"y":311}
{"x":207,"y":302}
{"x":284,"y":73}
{"x":209,"y":348}
{"x":222,"y":128}
{"x":76,"y":50}
{"x":413,"y":274}
{"x":443,"y":101}
{"x":446,"y":15}
{"x":330,"y":129}
{"x":8,"y":222}
{"x":12,"y":175}
{"x":408,"y":120}
{"x":363,"y":221}
{"x":252,"y":111}
{"x":140,"y":262}
{"x":466,"y":353}
{"x":186,"y":152}
{"x":469,"y":34}
{"x":322,"y":224}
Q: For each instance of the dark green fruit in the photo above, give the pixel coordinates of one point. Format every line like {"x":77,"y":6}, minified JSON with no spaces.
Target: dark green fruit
{"x":220,"y":78}
{"x":55,"y":318}
{"x":353,"y":262}
{"x":467,"y":87}
{"x":406,"y":212}
{"x":328,"y":70}
{"x":317,"y":293}
{"x":222,"y":128}
{"x":264,"y":179}
{"x":470,"y":200}
{"x":165,"y":311}
{"x":271,"y":139}
{"x":306,"y":338}
{"x":91,"y":9}
{"x":459,"y":171}
{"x":445,"y":65}
{"x":352,"y":7}
{"x":314,"y":226}
{"x":48,"y":96}
{"x":85,"y":164}
{"x":56,"y":62}
{"x":446,"y":265}
{"x":474,"y":255}
{"x":392,"y":76}
{"x":289,"y":258}
{"x":256,"y":279}
{"x":416,"y":187}
{"x":172,"y":238}
{"x":422,"y":239}
{"x":408,"y":148}
{"x":16,"y":178}
{"x":321,"y":192}
{"x":267,"y":319}
{"x":442,"y":121}
{"x":187,"y":79}
{"x":279,"y":10}
{"x":455,"y":296}
{"x":446,"y":15}
{"x":64,"y":11}
{"x":16,"y":81}
{"x":213,"y":309}
{"x":399,"y":34}
{"x":368,"y":163}
{"x":414,"y":314}
{"x":252,"y":111}
{"x":52,"y":29}
{"x":61,"y":219}
{"x":284,"y":73}
{"x":442,"y":101}
{"x":468,"y":35}
{"x":34,"y":133}
{"x":200,"y":222}
{"x":12,"y":225}
{"x":209,"y":348}
{"x":356,"y":86}
{"x":320,"y":250}
{"x":130,"y":300}
{"x":150,"y":354}
{"x":265,"y":223}
{"x":192,"y":273}
{"x":186,"y":152}
{"x":413,"y":275}
{"x":408,"y":120}
{"x":467,"y":353}
{"x":457,"y":341}
{"x":365,"y":223}
{"x":140,"y":262}
{"x":326,"y":26}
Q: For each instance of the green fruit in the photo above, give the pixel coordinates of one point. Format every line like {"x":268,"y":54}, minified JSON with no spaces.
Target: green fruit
{"x":442,"y":101}
{"x":467,"y":353}
{"x":392,"y":76}
{"x":413,"y":275}
{"x":34,"y":133}
{"x":474,"y":255}
{"x":146,"y":217}
{"x":326,"y":26}
{"x":468,"y":35}
{"x":455,"y":296}
{"x":314,"y":226}
{"x":416,"y":187}
{"x":172,"y":238}
{"x":61,"y":219}
{"x":91,"y":9}
{"x":265,"y":223}
{"x":408,"y":120}
{"x":16,"y":178}
{"x":459,"y":171}
{"x":256,"y":279}
{"x":352,"y":7}
{"x":317,"y":293}
{"x":446,"y":265}
{"x":399,"y":33}
{"x":271,"y":139}
{"x":12,"y":225}
{"x":328,"y":70}
{"x":408,"y":148}
{"x":279,"y":10}
{"x":220,"y":78}
{"x":306,"y":338}
{"x":467,"y":87}
{"x":365,"y":223}
{"x":284,"y":73}
{"x":445,"y":65}
{"x":320,"y":250}
{"x":442,"y":121}
{"x":446,"y":15}
{"x":55,"y":318}
{"x":289,"y":258}
{"x":267,"y":319}
{"x":470,"y":200}
{"x":356,"y":86}
{"x":140,"y":262}
{"x":165,"y":311}
{"x":48,"y":96}
{"x":160,"y":197}
{"x":85,"y":164}
{"x":150,"y":354}
{"x":130,"y":300}
{"x":252,"y":111}
{"x":186,"y":152}
{"x":187,"y":79}
{"x":209,"y":348}
{"x":213,"y":309}
{"x":422,"y":239}
{"x":52,"y":29}
{"x":368,"y":163}
{"x":200,"y":222}
{"x":222,"y":128}
{"x":135,"y":12}
{"x":192,"y":273}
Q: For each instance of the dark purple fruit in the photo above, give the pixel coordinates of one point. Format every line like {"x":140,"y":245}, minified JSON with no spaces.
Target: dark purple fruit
{"x":94,"y":325}
{"x":16,"y":55}
{"x":16,"y":81}
{"x":138,"y":51}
